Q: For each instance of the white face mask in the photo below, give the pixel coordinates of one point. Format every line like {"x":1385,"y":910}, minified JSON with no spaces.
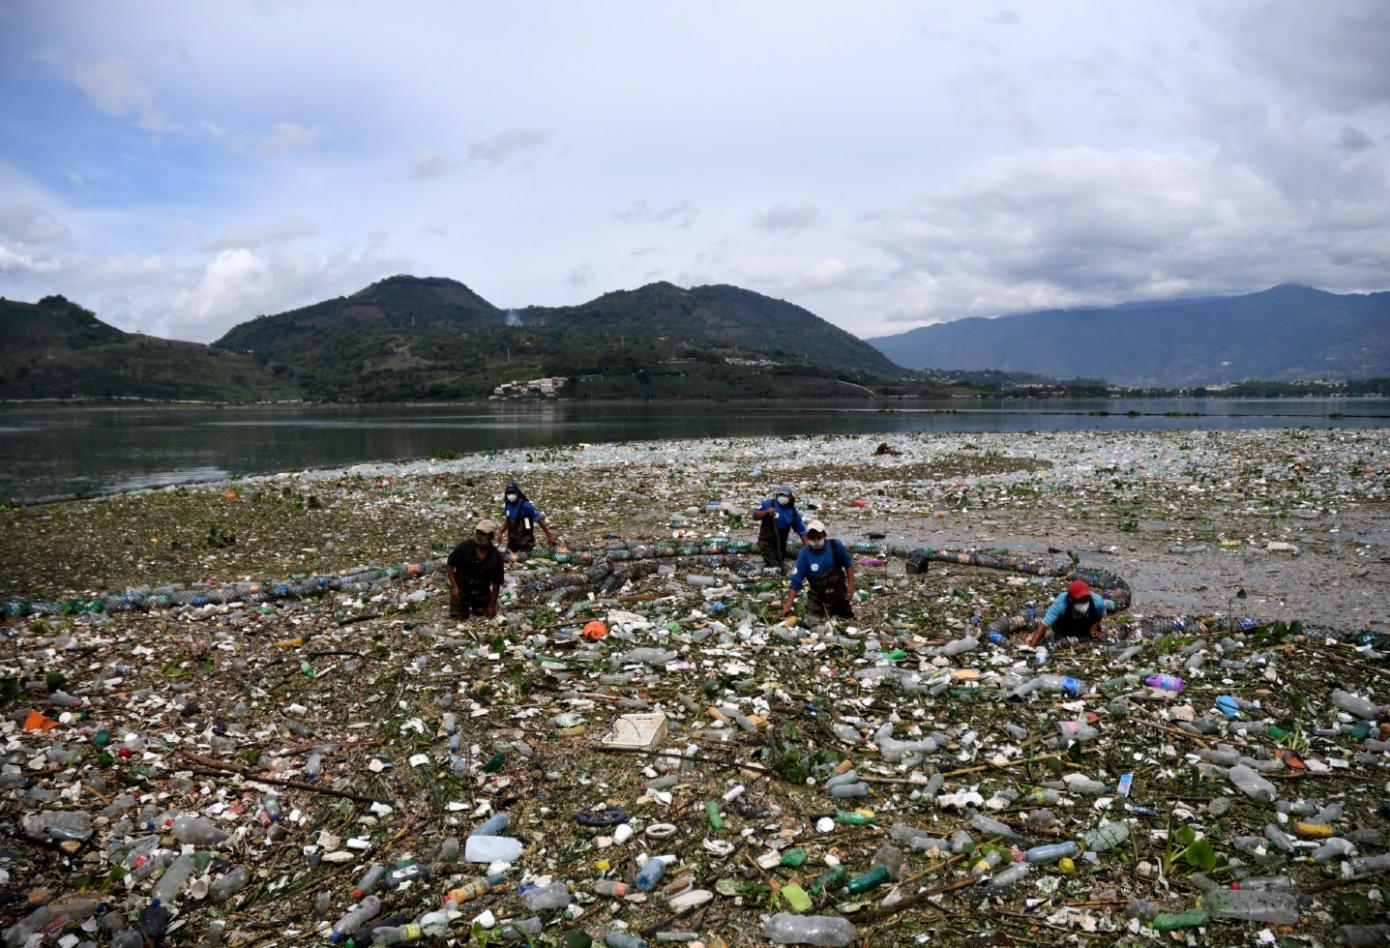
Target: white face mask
{"x":816,"y":545}
{"x":783,"y":499}
{"x":1082,"y":607}
{"x":512,"y":498}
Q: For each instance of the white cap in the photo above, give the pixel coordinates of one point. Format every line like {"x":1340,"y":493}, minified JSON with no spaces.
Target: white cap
{"x":815,"y":526}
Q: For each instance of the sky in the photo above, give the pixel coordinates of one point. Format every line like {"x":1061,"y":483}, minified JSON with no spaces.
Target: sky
{"x":179,"y":167}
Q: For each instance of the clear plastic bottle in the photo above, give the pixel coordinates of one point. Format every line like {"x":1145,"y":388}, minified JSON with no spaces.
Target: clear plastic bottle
{"x":825,"y":930}
{"x":395,"y":934}
{"x":435,"y":924}
{"x":522,"y":929}
{"x":1107,"y":835}
{"x":889,"y":857}
{"x":1251,"y":784}
{"x":988,"y":826}
{"x":1060,"y":683}
{"x":1052,"y":852}
{"x":1355,"y":705}
{"x":1259,"y":905}
{"x":493,"y":825}
{"x":612,"y":887}
{"x":448,"y":851}
{"x":229,"y":884}
{"x":314,"y":766}
{"x":356,"y":917}
{"x":957,"y":646}
{"x":196,"y":831}
{"x":544,"y":898}
{"x":167,"y":889}
{"x":624,"y":940}
{"x":1011,"y":876}
{"x":370,"y":881}
{"x":846,"y":791}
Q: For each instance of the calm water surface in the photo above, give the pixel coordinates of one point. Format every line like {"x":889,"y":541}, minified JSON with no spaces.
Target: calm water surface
{"x":58,"y":451}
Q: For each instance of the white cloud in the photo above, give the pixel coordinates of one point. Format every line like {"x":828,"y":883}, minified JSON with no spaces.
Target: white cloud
{"x":289,"y":137}
{"x":112,"y":85}
{"x":276,"y":232}
{"x":30,"y":225}
{"x":680,"y":215}
{"x":792,"y":218}
{"x":832,"y":271}
{"x":430,"y":164}
{"x":17,"y":262}
{"x":512,"y":143}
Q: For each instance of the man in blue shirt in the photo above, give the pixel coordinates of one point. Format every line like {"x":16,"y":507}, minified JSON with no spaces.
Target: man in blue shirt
{"x":522,"y":520}
{"x":826,"y":566}
{"x":779,"y":517}
{"x":1073,"y":614}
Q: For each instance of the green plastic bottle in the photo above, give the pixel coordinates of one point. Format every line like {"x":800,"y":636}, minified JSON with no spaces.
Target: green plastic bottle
{"x":872,"y":879}
{"x":1192,"y":918}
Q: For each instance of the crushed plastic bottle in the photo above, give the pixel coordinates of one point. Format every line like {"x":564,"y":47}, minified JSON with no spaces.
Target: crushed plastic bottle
{"x":826,"y":930}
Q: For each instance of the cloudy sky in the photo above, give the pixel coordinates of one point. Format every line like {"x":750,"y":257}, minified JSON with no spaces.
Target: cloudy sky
{"x":181,"y":167}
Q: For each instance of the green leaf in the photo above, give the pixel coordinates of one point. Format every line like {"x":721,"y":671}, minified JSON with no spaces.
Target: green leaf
{"x":498,"y":644}
{"x":1185,"y":835}
{"x":1348,"y":907}
{"x":1201,"y":856}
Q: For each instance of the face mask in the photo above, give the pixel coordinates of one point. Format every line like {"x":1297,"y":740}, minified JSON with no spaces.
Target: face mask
{"x":783,"y":499}
{"x":817,"y":545}
{"x":512,"y":498}
{"x":1082,"y":607}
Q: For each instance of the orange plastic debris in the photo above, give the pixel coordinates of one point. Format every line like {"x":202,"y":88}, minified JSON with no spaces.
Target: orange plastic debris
{"x":595,"y":630}
{"x":37,"y":722}
{"x":1290,"y":760}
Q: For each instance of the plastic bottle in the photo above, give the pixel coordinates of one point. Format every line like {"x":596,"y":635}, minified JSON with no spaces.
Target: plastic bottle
{"x":872,"y":879}
{"x":1353,"y":704}
{"x":1333,"y":849}
{"x":846,"y":791}
{"x":1060,"y":683}
{"x":449,"y":850}
{"x":1369,"y":864}
{"x":270,"y":811}
{"x":356,"y":917}
{"x":473,"y":890}
{"x":612,"y":887}
{"x":998,"y":638}
{"x":988,"y":826}
{"x":493,"y":825}
{"x":370,"y":881}
{"x":1250,"y":783}
{"x":1355,"y":936}
{"x":650,"y":874}
{"x":889,"y":857}
{"x":1171,"y":922}
{"x":197,"y":831}
{"x":229,"y":884}
{"x":1051,"y":852}
{"x":1011,"y":876}
{"x":314,"y":766}
{"x":1076,"y":732}
{"x":407,"y":870}
{"x":853,"y":818}
{"x":1258,"y":905}
{"x":522,"y":929}
{"x":1165,"y":683}
{"x":492,"y":849}
{"x":1107,"y":835}
{"x":167,"y":889}
{"x":544,"y":898}
{"x":624,"y":940}
{"x":957,"y":646}
{"x":827,"y":930}
{"x":394,"y":934}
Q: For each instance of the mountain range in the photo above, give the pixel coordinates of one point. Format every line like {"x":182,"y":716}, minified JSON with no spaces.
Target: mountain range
{"x":1284,"y":333}
{"x":433,"y":338}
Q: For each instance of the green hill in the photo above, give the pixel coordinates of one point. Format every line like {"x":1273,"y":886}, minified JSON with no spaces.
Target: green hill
{"x":432,"y":338}
{"x":57,"y":349}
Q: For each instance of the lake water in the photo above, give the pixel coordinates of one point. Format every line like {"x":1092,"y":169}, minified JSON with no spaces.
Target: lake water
{"x":47,"y":452}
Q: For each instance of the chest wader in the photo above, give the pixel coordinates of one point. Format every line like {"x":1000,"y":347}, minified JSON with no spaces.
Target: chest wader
{"x":828,"y":594}
{"x":474,"y":592}
{"x":772,"y":542}
{"x":521,"y":534}
{"x":1071,"y":624}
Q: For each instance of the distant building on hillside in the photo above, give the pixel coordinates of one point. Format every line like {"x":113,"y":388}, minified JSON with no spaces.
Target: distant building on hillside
{"x":531,"y":388}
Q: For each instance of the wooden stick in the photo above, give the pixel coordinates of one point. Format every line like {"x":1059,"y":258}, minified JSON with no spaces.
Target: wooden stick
{"x":209,"y":767}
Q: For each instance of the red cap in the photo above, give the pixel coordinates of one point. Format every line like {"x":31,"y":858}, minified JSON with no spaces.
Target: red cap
{"x":1079,"y":590}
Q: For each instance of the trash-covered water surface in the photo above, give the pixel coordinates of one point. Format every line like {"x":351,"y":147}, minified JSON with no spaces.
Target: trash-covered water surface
{"x":275,"y":741}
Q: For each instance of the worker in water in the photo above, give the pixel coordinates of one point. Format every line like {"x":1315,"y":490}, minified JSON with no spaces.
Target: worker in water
{"x":522,"y":520}
{"x":778,"y":517}
{"x":475,"y":574}
{"x":826,"y":566}
{"x":1075,"y":614}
